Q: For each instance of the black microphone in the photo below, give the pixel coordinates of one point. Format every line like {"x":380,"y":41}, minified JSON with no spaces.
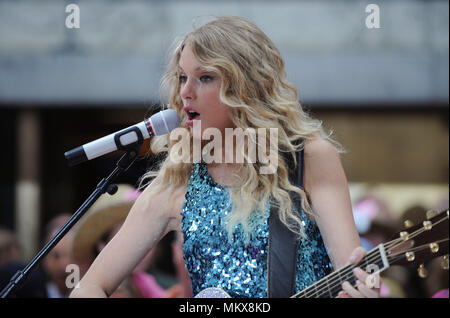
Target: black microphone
{"x":160,"y":123}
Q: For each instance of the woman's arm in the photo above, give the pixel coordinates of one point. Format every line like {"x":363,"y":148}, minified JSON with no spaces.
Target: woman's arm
{"x":327,"y":188}
{"x":326,"y":185}
{"x":152,"y":216}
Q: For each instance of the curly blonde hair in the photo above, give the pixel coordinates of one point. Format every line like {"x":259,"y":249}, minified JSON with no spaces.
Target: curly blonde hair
{"x":254,"y":85}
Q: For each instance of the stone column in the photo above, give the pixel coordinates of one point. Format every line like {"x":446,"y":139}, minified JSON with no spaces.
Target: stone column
{"x":28,"y":192}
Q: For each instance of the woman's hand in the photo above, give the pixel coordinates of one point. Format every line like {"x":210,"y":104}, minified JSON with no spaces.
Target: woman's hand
{"x":365,"y":288}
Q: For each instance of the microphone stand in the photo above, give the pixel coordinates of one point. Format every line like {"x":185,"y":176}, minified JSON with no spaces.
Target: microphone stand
{"x":105,"y":185}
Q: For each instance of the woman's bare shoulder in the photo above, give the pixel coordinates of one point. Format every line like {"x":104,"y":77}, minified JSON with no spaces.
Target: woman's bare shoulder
{"x":322,"y":166}
{"x":319,"y":147}
{"x":168,"y":199}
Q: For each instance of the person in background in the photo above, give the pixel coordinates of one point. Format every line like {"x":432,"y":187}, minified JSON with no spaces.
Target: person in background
{"x":93,"y":233}
{"x":11,"y":261}
{"x":56,"y":261}
{"x":9,"y":247}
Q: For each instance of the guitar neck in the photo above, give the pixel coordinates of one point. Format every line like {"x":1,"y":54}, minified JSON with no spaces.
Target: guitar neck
{"x":329,"y":286}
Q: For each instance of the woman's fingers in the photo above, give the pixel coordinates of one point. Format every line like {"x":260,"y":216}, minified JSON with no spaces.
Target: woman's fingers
{"x":367,"y":292}
{"x":351,"y":291}
{"x":357,"y":255}
{"x":360,"y":274}
{"x":364,"y":285}
{"x":361,"y":289}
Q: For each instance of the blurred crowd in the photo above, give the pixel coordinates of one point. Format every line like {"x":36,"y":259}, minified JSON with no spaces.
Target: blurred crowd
{"x":162,"y":273}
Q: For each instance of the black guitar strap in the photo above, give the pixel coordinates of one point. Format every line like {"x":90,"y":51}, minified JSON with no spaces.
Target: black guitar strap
{"x":283,"y":243}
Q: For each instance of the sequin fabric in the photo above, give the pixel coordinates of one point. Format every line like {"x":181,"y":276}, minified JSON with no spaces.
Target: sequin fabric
{"x":236,"y":265}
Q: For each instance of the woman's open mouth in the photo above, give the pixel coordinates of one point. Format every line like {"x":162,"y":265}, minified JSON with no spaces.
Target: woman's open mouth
{"x":192,"y":115}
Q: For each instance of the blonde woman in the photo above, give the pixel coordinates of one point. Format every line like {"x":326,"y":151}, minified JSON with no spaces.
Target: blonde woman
{"x":227,"y":74}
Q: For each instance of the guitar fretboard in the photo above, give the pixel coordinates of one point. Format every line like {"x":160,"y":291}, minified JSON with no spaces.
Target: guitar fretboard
{"x":328,"y":287}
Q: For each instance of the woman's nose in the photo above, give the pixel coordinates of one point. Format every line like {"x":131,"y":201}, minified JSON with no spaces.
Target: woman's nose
{"x":187,"y":90}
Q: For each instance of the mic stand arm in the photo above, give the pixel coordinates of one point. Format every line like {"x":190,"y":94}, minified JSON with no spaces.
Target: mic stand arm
{"x":105,"y":185}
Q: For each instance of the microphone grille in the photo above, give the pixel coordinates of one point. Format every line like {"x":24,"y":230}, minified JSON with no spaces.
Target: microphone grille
{"x":164,"y":121}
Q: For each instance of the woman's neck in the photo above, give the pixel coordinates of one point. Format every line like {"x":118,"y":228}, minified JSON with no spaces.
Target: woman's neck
{"x":225,"y":174}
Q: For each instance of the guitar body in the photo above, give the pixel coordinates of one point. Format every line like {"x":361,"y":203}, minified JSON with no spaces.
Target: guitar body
{"x":212,"y":292}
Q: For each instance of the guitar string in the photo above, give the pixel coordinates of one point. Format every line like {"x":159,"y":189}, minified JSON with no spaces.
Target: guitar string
{"x":399,"y":256}
{"x":419,"y":248}
{"x":394,"y":257}
{"x":344,"y":270}
{"x":324,"y":283}
{"x":417,"y":232}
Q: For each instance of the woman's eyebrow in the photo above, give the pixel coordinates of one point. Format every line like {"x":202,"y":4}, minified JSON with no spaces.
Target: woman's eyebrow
{"x":195,"y":70}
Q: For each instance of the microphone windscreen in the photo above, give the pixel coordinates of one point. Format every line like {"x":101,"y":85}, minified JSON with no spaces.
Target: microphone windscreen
{"x":164,"y":121}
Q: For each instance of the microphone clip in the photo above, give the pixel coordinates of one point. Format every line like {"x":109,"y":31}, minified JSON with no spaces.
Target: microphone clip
{"x":132,"y":149}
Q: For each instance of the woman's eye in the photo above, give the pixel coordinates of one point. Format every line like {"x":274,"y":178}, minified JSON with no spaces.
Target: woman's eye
{"x":182,"y":78}
{"x":206,"y":78}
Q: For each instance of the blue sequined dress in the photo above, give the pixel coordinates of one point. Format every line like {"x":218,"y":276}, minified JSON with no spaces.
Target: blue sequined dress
{"x":237,"y":266}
